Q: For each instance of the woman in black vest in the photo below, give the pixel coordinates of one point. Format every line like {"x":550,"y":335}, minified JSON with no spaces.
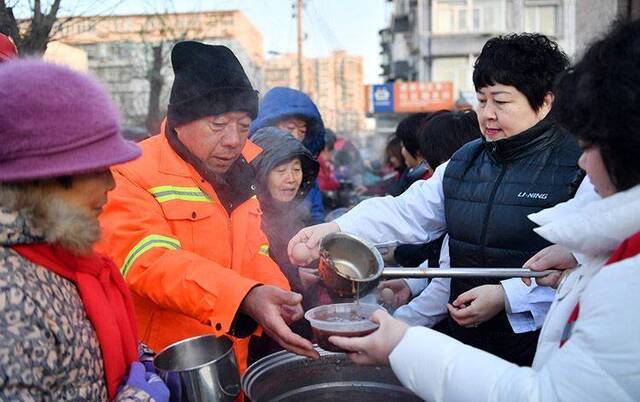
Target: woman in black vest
{"x":524,"y":163}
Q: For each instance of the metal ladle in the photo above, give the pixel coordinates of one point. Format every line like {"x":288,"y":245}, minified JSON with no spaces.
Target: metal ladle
{"x":345,"y":259}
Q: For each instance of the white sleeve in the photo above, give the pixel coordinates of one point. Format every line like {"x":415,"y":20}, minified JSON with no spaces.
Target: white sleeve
{"x":430,"y":307}
{"x":599,"y":362}
{"x":445,"y":259}
{"x":414,"y":217}
{"x":417,"y":285}
{"x":526,"y":306}
{"x":439,"y":368}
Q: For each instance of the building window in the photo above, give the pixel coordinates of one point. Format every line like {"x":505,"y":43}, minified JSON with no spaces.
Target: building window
{"x":544,"y":19}
{"x":454,"y":69}
{"x":468,"y":16}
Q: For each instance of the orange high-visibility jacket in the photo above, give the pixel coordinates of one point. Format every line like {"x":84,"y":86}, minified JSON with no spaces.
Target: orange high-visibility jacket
{"x":187,"y":262}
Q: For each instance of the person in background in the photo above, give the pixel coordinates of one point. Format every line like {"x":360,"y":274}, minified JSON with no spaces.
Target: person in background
{"x":67,"y":323}
{"x":392,"y":167}
{"x":445,"y":133}
{"x":293,"y":111}
{"x":351,"y":169}
{"x":481,"y":198}
{"x":184,"y":224}
{"x":417,"y":168}
{"x":441,"y":136}
{"x":588,"y":349}
{"x":8,"y":49}
{"x":327,"y":180}
{"x":439,"y":139}
{"x":285,"y":171}
{"x":394,"y":161}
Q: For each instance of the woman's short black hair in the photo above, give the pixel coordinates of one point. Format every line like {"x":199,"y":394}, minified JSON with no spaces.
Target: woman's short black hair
{"x":445,"y":133}
{"x":598,"y":100}
{"x":407,"y":131}
{"x":529,"y":62}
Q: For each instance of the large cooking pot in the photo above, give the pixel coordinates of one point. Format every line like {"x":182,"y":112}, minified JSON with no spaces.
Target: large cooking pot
{"x":205,"y":366}
{"x":286,"y":377}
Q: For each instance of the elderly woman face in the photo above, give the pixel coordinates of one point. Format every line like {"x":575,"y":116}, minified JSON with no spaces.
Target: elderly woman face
{"x":88,"y":192}
{"x":503,"y":111}
{"x":284,"y":180}
{"x":294,"y":125}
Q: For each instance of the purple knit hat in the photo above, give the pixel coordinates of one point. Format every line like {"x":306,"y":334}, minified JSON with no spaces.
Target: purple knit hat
{"x":56,"y":122}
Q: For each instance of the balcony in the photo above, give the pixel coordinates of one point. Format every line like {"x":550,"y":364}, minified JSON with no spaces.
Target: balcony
{"x":401,"y":23}
{"x":386,"y":38}
{"x":453,"y":44}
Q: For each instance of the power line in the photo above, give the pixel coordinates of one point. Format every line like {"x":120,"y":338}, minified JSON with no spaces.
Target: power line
{"x":326,"y":29}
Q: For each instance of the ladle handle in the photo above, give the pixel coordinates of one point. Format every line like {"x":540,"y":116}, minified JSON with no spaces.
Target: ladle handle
{"x":464,"y":273}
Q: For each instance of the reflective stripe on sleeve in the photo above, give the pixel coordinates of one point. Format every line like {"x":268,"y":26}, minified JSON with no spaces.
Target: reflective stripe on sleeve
{"x":168,"y":193}
{"x":146,"y":244}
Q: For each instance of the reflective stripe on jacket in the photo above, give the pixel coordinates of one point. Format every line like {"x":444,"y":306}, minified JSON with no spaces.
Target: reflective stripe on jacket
{"x":188,"y":263}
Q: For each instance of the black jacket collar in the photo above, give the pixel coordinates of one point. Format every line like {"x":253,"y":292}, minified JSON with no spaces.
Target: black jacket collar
{"x":524,"y":143}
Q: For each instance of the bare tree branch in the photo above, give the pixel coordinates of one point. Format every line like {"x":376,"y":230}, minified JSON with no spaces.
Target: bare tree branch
{"x":53,"y":11}
{"x":160,"y":32}
{"x":31,"y":35}
{"x":8,"y":24}
{"x":35,"y":8}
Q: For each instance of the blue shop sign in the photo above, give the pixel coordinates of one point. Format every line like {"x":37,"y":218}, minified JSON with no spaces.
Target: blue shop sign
{"x":382,"y":97}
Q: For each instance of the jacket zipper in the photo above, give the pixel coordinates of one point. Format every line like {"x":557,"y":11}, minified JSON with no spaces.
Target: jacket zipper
{"x":483,"y":236}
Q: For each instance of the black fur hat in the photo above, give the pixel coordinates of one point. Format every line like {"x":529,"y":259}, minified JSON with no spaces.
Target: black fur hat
{"x":209,"y":80}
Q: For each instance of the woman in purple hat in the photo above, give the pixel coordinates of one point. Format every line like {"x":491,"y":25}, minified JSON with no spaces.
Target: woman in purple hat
{"x":67,"y":324}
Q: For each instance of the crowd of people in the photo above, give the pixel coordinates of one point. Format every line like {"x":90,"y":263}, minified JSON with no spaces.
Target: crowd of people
{"x":514,"y":340}
{"x":112,"y":250}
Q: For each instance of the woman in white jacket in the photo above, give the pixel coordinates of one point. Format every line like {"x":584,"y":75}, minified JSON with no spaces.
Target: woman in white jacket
{"x":589,"y":348}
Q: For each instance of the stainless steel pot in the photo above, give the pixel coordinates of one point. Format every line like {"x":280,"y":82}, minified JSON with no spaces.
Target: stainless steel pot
{"x":286,"y":377}
{"x":347,"y":262}
{"x":206,"y":368}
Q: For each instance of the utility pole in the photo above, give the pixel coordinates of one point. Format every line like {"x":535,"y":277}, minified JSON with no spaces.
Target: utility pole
{"x":299,"y":6}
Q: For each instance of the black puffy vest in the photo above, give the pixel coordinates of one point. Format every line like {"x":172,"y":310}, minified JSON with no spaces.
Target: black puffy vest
{"x":491,"y":187}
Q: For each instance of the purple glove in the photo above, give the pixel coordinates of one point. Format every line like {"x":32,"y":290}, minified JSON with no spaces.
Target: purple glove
{"x":150,"y":383}
{"x":146,"y":355}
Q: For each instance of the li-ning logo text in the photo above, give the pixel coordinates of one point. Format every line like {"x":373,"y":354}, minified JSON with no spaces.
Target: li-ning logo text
{"x":538,"y":196}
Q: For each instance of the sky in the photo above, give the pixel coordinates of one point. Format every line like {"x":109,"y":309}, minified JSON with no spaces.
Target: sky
{"x":350,"y":25}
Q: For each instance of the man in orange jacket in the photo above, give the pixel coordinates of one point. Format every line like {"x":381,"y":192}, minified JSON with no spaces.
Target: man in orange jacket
{"x":184,"y":224}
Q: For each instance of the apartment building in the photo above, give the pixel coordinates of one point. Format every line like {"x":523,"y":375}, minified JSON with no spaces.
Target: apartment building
{"x":439,"y":40}
{"x":335,"y":83}
{"x":120,"y":51}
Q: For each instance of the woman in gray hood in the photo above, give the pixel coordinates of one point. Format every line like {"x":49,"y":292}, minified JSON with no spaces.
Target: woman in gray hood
{"x":285,"y":171}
